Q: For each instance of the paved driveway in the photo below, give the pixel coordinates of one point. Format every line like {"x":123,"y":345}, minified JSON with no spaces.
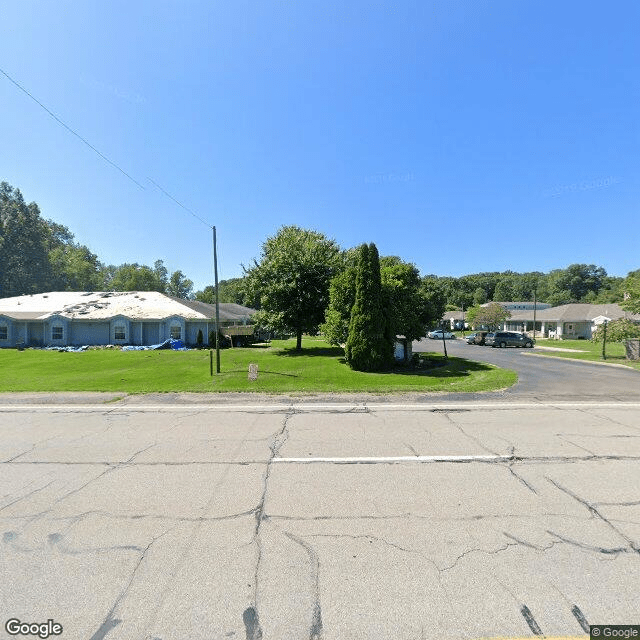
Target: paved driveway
{"x":541,"y":378}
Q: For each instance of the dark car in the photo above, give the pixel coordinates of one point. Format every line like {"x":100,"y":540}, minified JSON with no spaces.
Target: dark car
{"x":477,"y":338}
{"x":508,"y":339}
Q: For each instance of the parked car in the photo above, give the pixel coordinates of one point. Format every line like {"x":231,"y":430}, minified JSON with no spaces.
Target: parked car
{"x":508,"y":339}
{"x":477,"y":338}
{"x":437,"y":334}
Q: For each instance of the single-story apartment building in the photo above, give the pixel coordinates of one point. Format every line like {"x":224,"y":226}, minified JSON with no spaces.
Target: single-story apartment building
{"x":457,"y":319}
{"x":567,"y":321}
{"x":71,"y":318}
{"x":454,"y":320}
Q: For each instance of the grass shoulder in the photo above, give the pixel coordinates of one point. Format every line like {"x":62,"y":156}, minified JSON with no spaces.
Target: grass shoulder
{"x":319,"y":367}
{"x":587,"y":350}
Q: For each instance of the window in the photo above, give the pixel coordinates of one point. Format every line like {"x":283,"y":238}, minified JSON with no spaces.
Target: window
{"x":119,"y":333}
{"x":57,"y":333}
{"x":176,"y":332}
{"x":4,"y":333}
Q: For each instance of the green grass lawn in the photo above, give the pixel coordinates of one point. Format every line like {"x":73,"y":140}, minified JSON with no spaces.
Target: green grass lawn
{"x":590,"y":351}
{"x":318,"y":368}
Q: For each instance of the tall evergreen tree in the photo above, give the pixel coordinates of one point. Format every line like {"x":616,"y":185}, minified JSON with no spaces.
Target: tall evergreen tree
{"x":369,"y":345}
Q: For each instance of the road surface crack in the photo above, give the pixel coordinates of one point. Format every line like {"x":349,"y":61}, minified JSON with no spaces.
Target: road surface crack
{"x":27,"y":495}
{"x":315,"y":628}
{"x":588,"y":547}
{"x":467,"y":435}
{"x":110,"y":622}
{"x":251,"y":614}
{"x":520,"y":479}
{"x":594,"y":511}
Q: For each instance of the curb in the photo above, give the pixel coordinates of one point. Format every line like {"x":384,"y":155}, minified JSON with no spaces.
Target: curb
{"x":601,"y":364}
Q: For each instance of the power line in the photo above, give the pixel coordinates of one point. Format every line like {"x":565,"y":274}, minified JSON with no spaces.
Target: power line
{"x":195,"y":215}
{"x":77,"y":135}
{"x":68,"y":128}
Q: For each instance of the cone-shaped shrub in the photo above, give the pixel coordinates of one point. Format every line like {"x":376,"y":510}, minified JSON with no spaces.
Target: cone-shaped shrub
{"x":369,"y":345}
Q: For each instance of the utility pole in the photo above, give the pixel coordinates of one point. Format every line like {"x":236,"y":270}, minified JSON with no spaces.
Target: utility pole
{"x":534,"y":315}
{"x":604,"y":341}
{"x":463,"y":319}
{"x":215,"y":275}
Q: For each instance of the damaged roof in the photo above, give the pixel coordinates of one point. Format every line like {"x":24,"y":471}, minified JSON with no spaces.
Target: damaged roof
{"x":102,"y":305}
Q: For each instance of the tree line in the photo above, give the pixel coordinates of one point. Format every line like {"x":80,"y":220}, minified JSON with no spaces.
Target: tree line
{"x":38,"y":255}
{"x":585,"y":283}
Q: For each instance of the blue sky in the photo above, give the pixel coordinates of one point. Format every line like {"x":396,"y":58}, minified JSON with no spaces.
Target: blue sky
{"x":463,"y":136}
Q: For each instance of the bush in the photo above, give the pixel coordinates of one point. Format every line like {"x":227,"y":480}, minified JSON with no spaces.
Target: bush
{"x":199,"y":339}
{"x":370,"y":343}
{"x":617,"y":331}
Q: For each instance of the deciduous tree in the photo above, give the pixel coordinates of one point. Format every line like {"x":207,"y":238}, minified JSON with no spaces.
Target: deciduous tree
{"x":617,"y":331}
{"x":631,"y":287}
{"x":25,"y":266}
{"x":179,"y":285}
{"x":292,"y":280}
{"x":132,"y":277}
{"x":492,"y":316}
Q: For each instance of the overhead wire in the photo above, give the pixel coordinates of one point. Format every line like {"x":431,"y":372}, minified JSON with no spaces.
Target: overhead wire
{"x":195,"y":215}
{"x":99,"y":153}
{"x":68,"y":128}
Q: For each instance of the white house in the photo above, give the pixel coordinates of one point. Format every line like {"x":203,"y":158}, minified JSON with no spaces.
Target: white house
{"x":456,"y":319}
{"x":62,"y":318}
{"x":567,"y":321}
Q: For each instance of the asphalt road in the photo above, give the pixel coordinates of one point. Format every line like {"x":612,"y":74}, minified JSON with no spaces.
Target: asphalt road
{"x":345,"y":522}
{"x":543,"y":378}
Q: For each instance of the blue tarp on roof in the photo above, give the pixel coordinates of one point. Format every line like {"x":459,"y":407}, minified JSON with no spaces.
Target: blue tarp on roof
{"x":176,"y":345}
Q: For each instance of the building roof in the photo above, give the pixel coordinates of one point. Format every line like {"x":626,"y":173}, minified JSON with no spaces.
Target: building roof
{"x":228,"y":312}
{"x":576,"y":312}
{"x":21,"y":315}
{"x":515,"y":304}
{"x":102,"y":305}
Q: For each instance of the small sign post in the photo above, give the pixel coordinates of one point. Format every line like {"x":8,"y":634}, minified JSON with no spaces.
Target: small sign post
{"x":253,"y":372}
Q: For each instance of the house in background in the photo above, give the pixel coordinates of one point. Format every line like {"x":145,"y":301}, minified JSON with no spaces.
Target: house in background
{"x":456,"y":320}
{"x":567,"y":321}
{"x":70,"y":318}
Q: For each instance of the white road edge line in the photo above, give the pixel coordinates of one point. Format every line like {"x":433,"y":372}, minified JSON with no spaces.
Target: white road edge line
{"x":374,"y":460}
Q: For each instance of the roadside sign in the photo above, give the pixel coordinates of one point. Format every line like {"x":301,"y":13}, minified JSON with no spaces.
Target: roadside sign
{"x":253,"y":372}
